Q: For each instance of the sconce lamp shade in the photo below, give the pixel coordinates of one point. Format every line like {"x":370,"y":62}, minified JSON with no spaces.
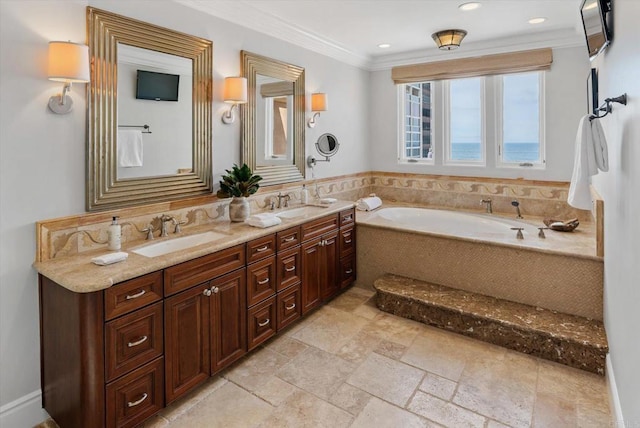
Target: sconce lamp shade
{"x":235,"y":90}
{"x":69,"y":62}
{"x":319,"y":102}
{"x":448,"y":40}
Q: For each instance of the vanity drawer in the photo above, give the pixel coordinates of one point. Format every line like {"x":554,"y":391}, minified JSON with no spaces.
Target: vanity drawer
{"x":288,"y":266}
{"x":136,"y":396}
{"x":261,"y":280}
{"x":202,"y":269}
{"x":261,"y":322}
{"x":260,"y":248}
{"x":288,"y":306}
{"x":288,"y":238}
{"x":130,"y":295}
{"x":133,"y":340}
{"x":347,"y":272}
{"x":318,"y":227}
{"x":347,"y":242}
{"x":347,"y":217}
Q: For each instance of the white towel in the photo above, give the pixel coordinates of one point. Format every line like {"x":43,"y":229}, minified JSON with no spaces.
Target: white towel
{"x":584,"y":166}
{"x":369,"y":204}
{"x":129,"y":148}
{"x":263,"y":220}
{"x":107,"y":259}
{"x":600,"y":146}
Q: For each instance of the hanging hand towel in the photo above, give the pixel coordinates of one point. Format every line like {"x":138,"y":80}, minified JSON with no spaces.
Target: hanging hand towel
{"x":129,"y":148}
{"x":600,"y":146}
{"x":584,"y":166}
{"x":369,"y":204}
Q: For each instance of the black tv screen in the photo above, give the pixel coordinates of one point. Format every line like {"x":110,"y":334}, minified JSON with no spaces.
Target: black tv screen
{"x":157,"y":86}
{"x":596,"y":24}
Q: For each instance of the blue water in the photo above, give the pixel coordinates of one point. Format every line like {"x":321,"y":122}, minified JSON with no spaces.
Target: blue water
{"x":513,"y":152}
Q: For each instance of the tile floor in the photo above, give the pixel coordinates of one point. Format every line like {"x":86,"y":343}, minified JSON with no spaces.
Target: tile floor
{"x":351,"y":365}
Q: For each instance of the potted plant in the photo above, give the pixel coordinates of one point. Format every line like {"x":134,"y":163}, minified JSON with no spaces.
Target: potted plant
{"x":239,"y":183}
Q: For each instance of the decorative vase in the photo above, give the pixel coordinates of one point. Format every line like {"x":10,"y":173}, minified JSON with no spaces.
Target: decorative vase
{"x":239,"y":209}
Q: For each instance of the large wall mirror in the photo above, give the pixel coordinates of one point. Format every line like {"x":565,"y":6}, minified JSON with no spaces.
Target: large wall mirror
{"x":273,"y":119}
{"x":149,"y":113}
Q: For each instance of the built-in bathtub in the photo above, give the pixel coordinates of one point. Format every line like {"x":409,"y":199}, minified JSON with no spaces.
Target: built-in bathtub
{"x":480,"y":253}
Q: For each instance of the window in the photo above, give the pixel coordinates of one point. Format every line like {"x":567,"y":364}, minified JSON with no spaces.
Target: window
{"x":490,"y":121}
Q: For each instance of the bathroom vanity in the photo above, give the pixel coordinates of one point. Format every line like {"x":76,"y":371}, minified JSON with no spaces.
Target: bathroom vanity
{"x":112,"y":357}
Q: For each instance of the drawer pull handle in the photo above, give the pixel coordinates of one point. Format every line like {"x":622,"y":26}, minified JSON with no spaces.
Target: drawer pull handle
{"x":348,"y":271}
{"x":291,"y":269}
{"x":135,"y":296}
{"x":329,"y":242}
{"x":265,"y":322}
{"x":261,"y":249}
{"x":289,"y":239}
{"x":293,"y":305}
{"x":137,"y":342}
{"x":264,"y":281}
{"x":347,"y":218}
{"x":137,"y":402}
{"x":347,"y":241}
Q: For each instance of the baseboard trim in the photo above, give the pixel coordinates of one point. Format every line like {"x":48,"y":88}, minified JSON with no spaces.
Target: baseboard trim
{"x":25,"y":412}
{"x":614,"y":399}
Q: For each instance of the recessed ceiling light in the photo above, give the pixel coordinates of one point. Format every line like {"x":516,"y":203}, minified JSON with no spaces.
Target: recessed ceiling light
{"x":384,"y":45}
{"x":537,"y":20}
{"x":591,"y":5}
{"x":469,"y":6}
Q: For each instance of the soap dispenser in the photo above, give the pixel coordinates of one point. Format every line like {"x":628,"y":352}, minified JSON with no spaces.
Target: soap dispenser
{"x":115,"y":234}
{"x":304,"y":194}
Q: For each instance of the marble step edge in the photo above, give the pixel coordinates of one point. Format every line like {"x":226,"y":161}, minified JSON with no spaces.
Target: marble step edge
{"x":572,"y":328}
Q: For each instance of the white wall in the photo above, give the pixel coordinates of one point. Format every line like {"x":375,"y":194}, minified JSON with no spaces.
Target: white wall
{"x":619,"y":72}
{"x":566,"y":102}
{"x":42,"y":155}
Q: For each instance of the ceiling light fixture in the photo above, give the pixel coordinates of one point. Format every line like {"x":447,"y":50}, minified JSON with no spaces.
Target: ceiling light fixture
{"x":384,"y":45}
{"x":537,"y":20}
{"x":469,"y":6}
{"x":448,"y":40}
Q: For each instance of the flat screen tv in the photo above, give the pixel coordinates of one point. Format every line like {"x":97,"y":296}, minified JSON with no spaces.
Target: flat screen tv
{"x":596,"y":21}
{"x":157,"y":86}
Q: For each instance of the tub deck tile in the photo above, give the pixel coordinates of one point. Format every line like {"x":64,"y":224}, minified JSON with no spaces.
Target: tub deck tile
{"x":567,"y":339}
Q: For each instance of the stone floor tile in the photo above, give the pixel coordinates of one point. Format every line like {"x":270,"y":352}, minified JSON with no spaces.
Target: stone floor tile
{"x":368,"y":310}
{"x":443,"y":412}
{"x":156,"y":421}
{"x":229,"y":406}
{"x":275,"y":391}
{"x":303,"y":410}
{"x":496,"y":424}
{"x":331,"y":331}
{"x":551,"y":411}
{"x":256,"y":369}
{"x":358,"y":348}
{"x":316,"y":371}
{"x":390,"y":349}
{"x":191,"y":399}
{"x":286,"y":346}
{"x":388,"y":379}
{"x":380,"y":414}
{"x":350,"y":398}
{"x":441,"y":357}
{"x":367,"y":292}
{"x":438,"y":386}
{"x":592,"y":418}
{"x":348,"y":301}
{"x":394,"y":329}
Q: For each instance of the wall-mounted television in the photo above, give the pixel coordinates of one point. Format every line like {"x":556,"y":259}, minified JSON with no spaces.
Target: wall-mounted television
{"x":157,"y":86}
{"x":597,"y":24}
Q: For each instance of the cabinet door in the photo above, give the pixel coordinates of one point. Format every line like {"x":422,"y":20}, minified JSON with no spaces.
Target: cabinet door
{"x":329,"y":282}
{"x":312,"y":266}
{"x":262,"y":322}
{"x":187,"y":340}
{"x":228,"y":319}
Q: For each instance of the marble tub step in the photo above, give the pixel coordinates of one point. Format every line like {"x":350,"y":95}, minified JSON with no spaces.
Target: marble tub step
{"x":567,"y":339}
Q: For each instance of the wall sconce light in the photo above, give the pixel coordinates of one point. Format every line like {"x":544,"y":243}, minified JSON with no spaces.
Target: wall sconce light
{"x":235,"y":92}
{"x":68,"y":63}
{"x":448,"y":40}
{"x":319,"y":103}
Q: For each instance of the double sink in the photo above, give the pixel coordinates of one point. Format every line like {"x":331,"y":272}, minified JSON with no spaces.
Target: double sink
{"x":182,"y":243}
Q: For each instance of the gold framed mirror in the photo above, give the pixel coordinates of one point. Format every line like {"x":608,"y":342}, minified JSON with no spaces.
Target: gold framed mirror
{"x":273,"y":119}
{"x":119,"y":112}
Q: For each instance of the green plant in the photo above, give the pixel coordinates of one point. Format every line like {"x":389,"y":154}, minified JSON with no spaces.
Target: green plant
{"x":239,"y":181}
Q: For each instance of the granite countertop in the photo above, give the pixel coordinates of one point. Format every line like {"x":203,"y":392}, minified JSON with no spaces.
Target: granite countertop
{"x":78,"y":274}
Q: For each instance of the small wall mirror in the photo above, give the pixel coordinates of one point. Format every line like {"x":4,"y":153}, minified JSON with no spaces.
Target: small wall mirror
{"x":151,"y":90}
{"x":327,"y":145}
{"x":273,"y":119}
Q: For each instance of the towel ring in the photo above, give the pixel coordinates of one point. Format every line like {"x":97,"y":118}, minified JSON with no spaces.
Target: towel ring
{"x":606,"y":106}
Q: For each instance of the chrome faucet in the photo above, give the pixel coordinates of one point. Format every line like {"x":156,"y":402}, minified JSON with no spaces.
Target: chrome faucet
{"x":487,"y":202}
{"x":286,"y":200}
{"x":516,"y":204}
{"x":164,"y":220}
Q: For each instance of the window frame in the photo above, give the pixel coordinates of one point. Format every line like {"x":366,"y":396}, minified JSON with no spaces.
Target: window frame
{"x":402,"y":147}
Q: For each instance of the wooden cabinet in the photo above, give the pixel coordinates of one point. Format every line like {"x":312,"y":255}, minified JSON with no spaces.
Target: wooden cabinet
{"x":115,"y":357}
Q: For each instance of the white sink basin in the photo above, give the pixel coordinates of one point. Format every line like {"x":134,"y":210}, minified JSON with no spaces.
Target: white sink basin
{"x":177,"y":244}
{"x":299,"y":212}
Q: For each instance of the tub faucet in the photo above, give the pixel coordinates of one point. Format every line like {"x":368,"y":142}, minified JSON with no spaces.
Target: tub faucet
{"x":516,"y":204}
{"x":487,"y":202}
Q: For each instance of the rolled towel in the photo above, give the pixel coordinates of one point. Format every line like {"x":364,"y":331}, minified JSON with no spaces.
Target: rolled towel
{"x":369,"y":204}
{"x":107,"y":259}
{"x":328,"y":201}
{"x":263,"y":220}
